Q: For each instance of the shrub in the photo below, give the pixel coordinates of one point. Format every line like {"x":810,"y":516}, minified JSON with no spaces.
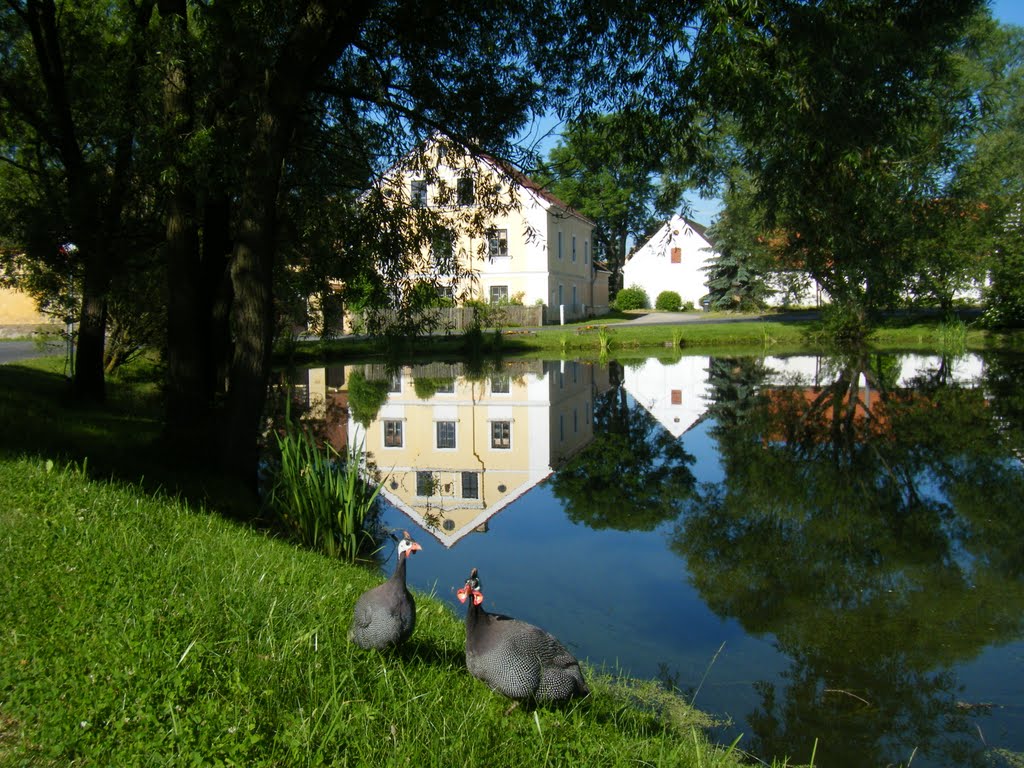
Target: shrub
{"x":633,"y":297}
{"x":668,"y":301}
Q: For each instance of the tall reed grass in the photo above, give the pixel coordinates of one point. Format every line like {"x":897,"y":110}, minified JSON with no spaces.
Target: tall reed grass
{"x":321,"y":496}
{"x":952,"y":335}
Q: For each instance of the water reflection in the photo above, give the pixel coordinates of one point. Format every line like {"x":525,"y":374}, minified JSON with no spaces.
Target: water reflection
{"x":848,"y":529}
{"x":863,"y":523}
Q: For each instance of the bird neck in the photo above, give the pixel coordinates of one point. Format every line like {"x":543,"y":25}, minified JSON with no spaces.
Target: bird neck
{"x":399,"y":574}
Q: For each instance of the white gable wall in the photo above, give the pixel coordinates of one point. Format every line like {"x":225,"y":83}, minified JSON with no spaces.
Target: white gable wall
{"x":651,"y":267}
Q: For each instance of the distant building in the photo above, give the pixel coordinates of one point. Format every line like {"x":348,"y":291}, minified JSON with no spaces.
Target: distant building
{"x":672,"y":260}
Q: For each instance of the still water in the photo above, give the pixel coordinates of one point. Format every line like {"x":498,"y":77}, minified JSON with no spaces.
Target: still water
{"x":811,"y":549}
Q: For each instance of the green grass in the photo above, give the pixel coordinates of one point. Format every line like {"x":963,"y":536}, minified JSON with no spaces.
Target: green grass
{"x":611,"y":338}
{"x":140,"y":631}
{"x":142,"y":627}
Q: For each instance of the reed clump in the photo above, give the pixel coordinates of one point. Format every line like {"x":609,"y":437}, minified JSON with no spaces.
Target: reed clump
{"x":321,"y":496}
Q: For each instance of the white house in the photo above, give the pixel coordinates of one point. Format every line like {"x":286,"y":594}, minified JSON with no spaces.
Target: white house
{"x":672,"y":260}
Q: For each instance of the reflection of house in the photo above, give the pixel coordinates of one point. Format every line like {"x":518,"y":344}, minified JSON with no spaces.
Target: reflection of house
{"x":799,"y":393}
{"x":821,"y":371}
{"x":454,"y":451}
{"x":672,"y":260}
{"x":676,"y":394}
{"x":539,"y":251}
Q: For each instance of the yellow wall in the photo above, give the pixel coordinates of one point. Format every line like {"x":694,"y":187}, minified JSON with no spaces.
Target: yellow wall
{"x":18,"y":309}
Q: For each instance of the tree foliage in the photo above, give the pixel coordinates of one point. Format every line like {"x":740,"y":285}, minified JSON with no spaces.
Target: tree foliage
{"x":621,"y":171}
{"x":847,"y":116}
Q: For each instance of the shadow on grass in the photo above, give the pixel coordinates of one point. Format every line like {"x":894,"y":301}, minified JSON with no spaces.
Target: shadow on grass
{"x":118,"y":440}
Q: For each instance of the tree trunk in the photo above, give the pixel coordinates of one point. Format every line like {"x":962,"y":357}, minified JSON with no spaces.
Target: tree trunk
{"x":89,"y":383}
{"x":313,"y":45}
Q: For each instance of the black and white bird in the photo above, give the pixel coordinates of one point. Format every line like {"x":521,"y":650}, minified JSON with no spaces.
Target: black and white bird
{"x":516,"y":659}
{"x":385,"y":615}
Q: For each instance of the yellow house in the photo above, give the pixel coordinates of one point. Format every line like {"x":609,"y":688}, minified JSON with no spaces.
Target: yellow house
{"x":534,"y":249}
{"x":19,"y":315}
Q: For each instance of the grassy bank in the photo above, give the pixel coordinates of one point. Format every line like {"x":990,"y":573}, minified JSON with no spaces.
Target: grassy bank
{"x":614,"y":336}
{"x":143,"y":629}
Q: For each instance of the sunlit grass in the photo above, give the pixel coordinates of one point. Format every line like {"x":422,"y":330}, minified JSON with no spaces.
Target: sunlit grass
{"x":140,"y":631}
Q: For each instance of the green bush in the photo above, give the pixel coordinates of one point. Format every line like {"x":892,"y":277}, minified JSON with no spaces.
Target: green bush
{"x":633,"y":297}
{"x":668,"y":301}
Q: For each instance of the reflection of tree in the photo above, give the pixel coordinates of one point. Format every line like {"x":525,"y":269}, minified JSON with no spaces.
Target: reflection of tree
{"x":870,"y":530}
{"x":633,"y":475}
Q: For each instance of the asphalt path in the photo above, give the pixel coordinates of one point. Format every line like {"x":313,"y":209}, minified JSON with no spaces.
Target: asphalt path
{"x":688,"y":318}
{"x":13,"y":351}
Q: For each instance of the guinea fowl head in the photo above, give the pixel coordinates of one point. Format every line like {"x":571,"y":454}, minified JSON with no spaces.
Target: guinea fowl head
{"x":406,"y":546}
{"x":472,"y":587}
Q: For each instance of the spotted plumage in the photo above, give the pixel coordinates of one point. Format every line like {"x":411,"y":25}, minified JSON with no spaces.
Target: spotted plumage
{"x":516,"y":659}
{"x":385,"y":616}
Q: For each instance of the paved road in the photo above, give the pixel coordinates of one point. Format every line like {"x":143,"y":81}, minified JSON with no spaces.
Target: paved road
{"x":12,"y":351}
{"x":683,"y":318}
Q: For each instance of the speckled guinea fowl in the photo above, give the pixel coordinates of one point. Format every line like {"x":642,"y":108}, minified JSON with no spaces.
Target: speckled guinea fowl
{"x":385,"y":616}
{"x":516,"y":659}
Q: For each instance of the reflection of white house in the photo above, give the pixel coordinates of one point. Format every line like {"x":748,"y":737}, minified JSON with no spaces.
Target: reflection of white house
{"x":455,"y":451}
{"x":676,"y":394}
{"x":672,"y":260}
{"x":804,"y":370}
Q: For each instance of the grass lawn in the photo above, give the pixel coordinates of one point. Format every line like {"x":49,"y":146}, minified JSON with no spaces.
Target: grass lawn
{"x":612,"y":337}
{"x":144,"y":628}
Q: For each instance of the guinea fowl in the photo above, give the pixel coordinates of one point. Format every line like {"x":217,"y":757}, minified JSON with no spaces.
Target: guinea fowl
{"x":516,"y":659}
{"x":385,"y":616}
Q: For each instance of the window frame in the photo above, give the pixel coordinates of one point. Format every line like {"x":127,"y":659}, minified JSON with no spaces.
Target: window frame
{"x":419,"y":193}
{"x":501,"y":442}
{"x":450,"y":435}
{"x":465,"y":192}
{"x":474,"y":485}
{"x":497,"y":244}
{"x":395,"y":427}
{"x":492,"y":289}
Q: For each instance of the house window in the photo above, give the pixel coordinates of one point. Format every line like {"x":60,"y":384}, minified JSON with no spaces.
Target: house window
{"x":499,"y":294}
{"x":574,"y":247}
{"x":471,"y":485}
{"x":395,"y":383}
{"x":444,"y":387}
{"x":586,"y":251}
{"x":465,"y":193}
{"x":677,"y":255}
{"x":574,"y":295}
{"x":418,"y":193}
{"x":425,"y":484}
{"x":677,"y":397}
{"x":501,"y":435}
{"x":497,"y":243}
{"x":559,"y":243}
{"x":501,"y":385}
{"x":442,"y":245}
{"x":392,"y":433}
{"x":446,"y":434}
{"x":561,"y":295}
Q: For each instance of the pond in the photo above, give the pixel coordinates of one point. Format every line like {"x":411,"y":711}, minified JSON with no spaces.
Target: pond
{"x":824,"y":553}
